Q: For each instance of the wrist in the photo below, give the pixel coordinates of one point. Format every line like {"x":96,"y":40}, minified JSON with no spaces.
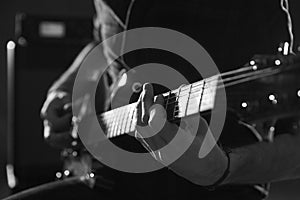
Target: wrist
{"x":221,"y":173}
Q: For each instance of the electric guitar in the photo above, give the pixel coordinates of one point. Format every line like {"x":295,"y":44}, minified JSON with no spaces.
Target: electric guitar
{"x":266,"y":90}
{"x":263,"y":91}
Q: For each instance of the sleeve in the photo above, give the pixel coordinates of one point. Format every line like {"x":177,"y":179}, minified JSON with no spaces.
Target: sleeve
{"x":66,"y":80}
{"x":106,"y":24}
{"x":290,"y":125}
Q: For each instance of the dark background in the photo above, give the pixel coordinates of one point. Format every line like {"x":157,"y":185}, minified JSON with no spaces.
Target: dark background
{"x":51,"y":8}
{"x":288,"y":190}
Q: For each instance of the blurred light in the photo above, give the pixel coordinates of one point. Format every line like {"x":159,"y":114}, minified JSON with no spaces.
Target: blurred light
{"x":11,"y":45}
{"x":92,"y":175}
{"x":52,"y":29}
{"x":252,"y":62}
{"x":58,"y":175}
{"x":74,"y":153}
{"x":254,"y":67}
{"x":11,"y":178}
{"x":244,"y":105}
{"x":22,"y":41}
{"x":286,"y":48}
{"x":66,"y":172}
{"x":74,"y":143}
{"x":298,"y":93}
{"x":277,"y":62}
{"x":274,"y":101}
{"x":272,"y":97}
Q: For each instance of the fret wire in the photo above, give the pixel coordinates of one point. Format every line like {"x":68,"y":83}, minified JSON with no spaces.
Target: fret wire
{"x":201,"y":95}
{"x":134,"y":120}
{"x":124,"y":119}
{"x":131,"y":121}
{"x":132,"y":116}
{"x":127,"y":127}
{"x":179,"y":91}
{"x":110,"y":127}
{"x":187,"y":103}
{"x":114,"y":125}
{"x":118,"y":121}
{"x":115,"y":122}
{"x":108,"y":124}
{"x":168,"y":97}
{"x":119,"y":113}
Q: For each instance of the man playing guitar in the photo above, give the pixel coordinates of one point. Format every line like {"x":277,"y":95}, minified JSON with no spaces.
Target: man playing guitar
{"x":239,"y":173}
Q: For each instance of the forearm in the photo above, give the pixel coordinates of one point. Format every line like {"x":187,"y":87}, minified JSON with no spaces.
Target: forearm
{"x":266,"y":162}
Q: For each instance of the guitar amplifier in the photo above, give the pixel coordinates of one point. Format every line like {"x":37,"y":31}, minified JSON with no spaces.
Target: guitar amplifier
{"x":43,"y":49}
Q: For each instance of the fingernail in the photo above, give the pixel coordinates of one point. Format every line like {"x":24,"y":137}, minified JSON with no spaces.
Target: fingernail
{"x":146,"y":86}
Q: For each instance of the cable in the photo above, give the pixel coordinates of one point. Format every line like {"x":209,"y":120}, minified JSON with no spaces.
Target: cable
{"x":125,"y":31}
{"x":285,"y":7}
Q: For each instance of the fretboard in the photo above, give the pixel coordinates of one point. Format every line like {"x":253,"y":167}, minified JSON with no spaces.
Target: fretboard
{"x":195,"y":98}
{"x":181,"y":102}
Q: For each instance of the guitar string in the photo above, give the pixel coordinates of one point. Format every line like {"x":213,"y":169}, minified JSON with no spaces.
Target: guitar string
{"x":195,"y":91}
{"x":119,"y":131}
{"x":224,"y":84}
{"x":227,"y":82}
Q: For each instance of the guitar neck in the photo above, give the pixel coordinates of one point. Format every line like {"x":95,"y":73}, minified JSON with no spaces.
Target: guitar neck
{"x":193,"y":98}
{"x":182,"y":102}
